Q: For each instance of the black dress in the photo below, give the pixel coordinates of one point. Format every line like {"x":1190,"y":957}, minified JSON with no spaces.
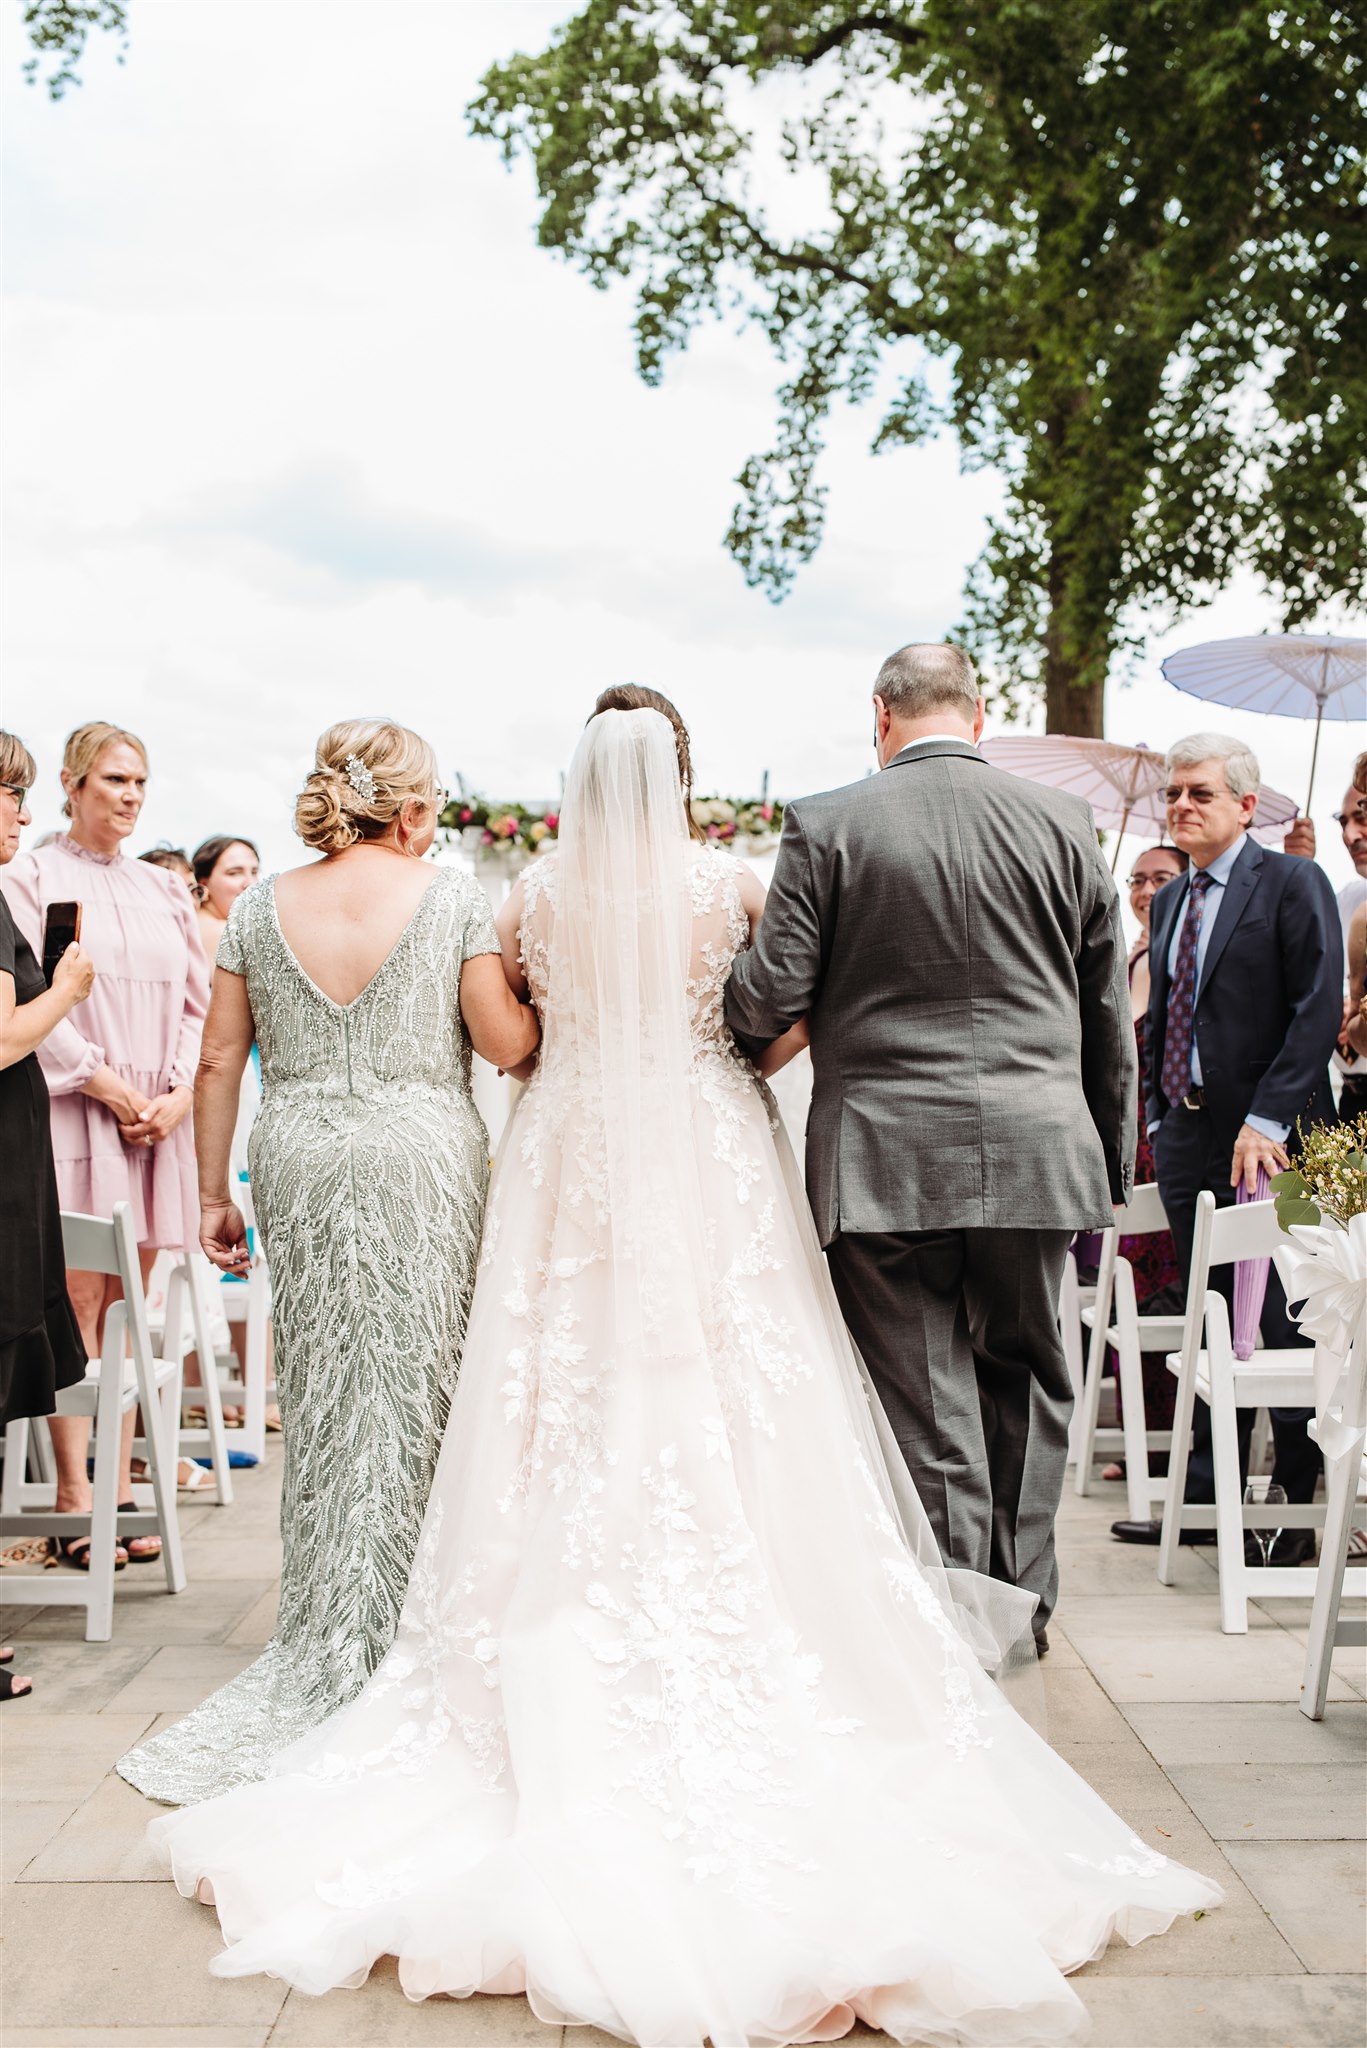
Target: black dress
{"x":41,"y":1349}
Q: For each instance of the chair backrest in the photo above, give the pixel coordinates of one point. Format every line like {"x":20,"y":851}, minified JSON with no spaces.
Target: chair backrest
{"x":101,"y":1244}
{"x":1249,"y":1230}
{"x":1144,"y":1214}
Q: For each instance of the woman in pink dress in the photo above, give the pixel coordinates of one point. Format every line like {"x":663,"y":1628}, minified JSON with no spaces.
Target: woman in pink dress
{"x":120,"y":1070}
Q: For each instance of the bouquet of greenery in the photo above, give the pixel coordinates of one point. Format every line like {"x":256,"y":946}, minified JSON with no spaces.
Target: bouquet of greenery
{"x":1329,"y":1179}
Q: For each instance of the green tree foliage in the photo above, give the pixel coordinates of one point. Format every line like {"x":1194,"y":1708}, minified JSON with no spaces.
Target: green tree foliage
{"x":57,"y":31}
{"x":1134,"y":234}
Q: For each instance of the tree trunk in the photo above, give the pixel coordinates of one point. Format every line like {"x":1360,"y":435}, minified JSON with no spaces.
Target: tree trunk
{"x":1073,"y":702}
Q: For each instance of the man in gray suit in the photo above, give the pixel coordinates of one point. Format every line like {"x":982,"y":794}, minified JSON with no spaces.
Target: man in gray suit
{"x":954,"y":938}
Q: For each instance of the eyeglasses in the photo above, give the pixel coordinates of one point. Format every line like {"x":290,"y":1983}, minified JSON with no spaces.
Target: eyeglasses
{"x":1138,"y":881}
{"x":20,"y":795}
{"x":1357,"y":816}
{"x":1175,"y":791}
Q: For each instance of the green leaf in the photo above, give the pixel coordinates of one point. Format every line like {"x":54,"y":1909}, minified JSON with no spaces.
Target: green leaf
{"x":1289,"y":1183}
{"x":1293,"y":1211}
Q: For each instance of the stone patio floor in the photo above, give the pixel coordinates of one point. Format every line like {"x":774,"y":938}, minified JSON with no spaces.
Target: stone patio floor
{"x":1194,"y":1736}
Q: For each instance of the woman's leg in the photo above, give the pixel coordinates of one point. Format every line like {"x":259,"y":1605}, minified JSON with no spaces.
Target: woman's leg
{"x":71,"y":1433}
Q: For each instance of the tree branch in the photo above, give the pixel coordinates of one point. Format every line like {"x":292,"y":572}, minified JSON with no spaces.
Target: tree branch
{"x":859,"y":24}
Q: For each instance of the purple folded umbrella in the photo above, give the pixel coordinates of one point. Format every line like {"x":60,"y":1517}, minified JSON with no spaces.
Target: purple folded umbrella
{"x":1250,"y":1280}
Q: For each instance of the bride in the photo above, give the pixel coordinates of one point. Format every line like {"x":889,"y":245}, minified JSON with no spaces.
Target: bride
{"x":686,"y":1732}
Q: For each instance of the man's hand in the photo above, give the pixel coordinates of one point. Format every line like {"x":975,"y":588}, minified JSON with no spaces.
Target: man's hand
{"x":159,"y":1118}
{"x":1253,"y":1149}
{"x":1301,"y":839}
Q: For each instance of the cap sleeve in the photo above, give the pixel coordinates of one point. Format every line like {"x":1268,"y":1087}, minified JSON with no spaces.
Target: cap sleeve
{"x":232,"y":951}
{"x":7,"y":939}
{"x":479,"y":936}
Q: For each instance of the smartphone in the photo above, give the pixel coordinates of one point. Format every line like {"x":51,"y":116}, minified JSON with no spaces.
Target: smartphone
{"x":61,"y":928}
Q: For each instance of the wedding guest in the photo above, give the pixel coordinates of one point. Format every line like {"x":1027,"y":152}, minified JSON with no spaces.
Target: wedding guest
{"x":366,"y":976}
{"x":120,"y":1068}
{"x":223,"y":868}
{"x":40,"y":1342}
{"x":1153,"y":1258}
{"x":176,"y":861}
{"x":1246,"y":971}
{"x":1352,"y":900}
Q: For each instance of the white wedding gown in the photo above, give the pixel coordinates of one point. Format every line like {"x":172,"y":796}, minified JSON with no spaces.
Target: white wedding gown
{"x":686,"y":1731}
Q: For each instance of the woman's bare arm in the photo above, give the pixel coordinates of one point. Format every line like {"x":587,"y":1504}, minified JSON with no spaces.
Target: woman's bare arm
{"x":502,"y":1030}
{"x":508,"y":925}
{"x":795,"y":1040}
{"x":226,"y":1048}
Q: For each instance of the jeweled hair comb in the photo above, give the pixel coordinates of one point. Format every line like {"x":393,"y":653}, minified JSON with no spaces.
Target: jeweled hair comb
{"x":360,"y":778}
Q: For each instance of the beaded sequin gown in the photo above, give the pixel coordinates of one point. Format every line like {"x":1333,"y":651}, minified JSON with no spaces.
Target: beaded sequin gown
{"x":686,"y":1732}
{"x":369,"y":1167}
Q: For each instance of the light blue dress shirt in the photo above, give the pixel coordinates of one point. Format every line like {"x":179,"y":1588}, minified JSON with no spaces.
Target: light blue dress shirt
{"x":1219,"y":872}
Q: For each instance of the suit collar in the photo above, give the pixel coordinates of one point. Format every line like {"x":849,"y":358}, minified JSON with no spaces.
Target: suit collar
{"x":1234,"y":901}
{"x":935,"y":750}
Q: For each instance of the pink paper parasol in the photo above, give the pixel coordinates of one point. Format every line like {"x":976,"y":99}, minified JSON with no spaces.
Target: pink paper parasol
{"x":1250,"y":1280}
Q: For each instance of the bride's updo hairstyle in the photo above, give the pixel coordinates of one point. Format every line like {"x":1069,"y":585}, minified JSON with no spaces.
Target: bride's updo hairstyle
{"x":636,"y":697}
{"x":365,"y":771}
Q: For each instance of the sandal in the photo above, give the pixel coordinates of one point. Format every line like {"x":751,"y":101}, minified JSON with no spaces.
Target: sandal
{"x":144,"y":1556}
{"x":67,"y":1547}
{"x":12,"y":1688}
{"x":196,"y":1477}
{"x":29,"y":1550}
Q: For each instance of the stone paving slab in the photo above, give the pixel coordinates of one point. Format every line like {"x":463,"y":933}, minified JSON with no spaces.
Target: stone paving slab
{"x":1195,"y":1737}
{"x":1315,"y":1894}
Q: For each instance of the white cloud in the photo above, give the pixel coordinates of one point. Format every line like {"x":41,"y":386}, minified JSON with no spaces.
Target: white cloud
{"x":301,"y":423}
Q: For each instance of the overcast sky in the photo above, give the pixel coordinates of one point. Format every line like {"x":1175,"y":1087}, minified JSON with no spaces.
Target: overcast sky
{"x":301,"y":425}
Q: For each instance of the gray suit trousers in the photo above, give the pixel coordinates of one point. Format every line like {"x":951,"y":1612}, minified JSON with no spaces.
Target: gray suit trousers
{"x":959,"y":1331}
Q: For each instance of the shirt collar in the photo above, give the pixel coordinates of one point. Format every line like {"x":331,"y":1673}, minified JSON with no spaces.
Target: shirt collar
{"x":1222,"y":867}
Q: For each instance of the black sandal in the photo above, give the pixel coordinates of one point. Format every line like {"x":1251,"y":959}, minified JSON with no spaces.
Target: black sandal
{"x":66,"y":1553}
{"x":130,"y":1507}
{"x":12,"y":1688}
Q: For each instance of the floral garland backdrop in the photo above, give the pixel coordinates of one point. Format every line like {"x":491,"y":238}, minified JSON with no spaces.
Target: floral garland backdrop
{"x":521,"y":829}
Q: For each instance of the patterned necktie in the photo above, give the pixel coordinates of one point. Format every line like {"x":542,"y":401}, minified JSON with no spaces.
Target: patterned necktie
{"x":1176,"y":1073}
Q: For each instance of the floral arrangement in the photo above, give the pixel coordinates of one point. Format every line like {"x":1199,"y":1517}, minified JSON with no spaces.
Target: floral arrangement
{"x":514,"y":828}
{"x":1329,"y":1179}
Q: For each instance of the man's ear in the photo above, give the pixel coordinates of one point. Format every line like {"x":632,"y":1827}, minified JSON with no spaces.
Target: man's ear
{"x":979,"y":721}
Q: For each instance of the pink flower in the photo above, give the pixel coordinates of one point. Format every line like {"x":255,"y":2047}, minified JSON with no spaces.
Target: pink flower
{"x":766,"y":812}
{"x":553,"y":821}
{"x":508,"y":827}
{"x":466,"y":814}
{"x":726,"y":832}
{"x":487,"y":837}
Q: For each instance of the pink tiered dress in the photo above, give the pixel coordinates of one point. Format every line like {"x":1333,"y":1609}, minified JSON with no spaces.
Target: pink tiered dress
{"x":144,"y":1018}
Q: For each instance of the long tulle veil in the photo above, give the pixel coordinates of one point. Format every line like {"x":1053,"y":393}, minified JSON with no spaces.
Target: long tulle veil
{"x":614,"y":1093}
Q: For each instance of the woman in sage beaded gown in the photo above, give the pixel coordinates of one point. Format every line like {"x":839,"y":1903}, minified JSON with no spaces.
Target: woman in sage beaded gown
{"x":365,"y":979}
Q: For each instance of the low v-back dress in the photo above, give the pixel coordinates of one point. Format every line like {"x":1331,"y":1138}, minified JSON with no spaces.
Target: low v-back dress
{"x":369,"y":1169}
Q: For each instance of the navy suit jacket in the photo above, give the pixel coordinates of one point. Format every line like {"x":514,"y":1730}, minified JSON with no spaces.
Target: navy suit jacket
{"x":1270,"y":1003}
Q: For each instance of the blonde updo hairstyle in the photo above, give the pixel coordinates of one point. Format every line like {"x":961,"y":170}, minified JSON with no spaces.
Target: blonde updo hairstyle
{"x":84,"y":747}
{"x":332,"y":814}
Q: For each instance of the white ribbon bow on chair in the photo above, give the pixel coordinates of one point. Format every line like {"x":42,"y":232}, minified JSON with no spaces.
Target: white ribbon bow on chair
{"x":1329,"y":1275}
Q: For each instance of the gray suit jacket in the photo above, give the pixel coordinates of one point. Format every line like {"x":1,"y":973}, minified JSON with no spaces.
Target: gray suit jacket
{"x":954,"y":937}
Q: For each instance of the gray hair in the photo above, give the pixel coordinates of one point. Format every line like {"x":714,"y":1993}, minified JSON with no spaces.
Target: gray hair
{"x":928,"y":676}
{"x":1242,"y":772}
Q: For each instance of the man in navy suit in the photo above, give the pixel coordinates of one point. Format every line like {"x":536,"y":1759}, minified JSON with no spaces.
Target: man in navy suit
{"x":1245,"y":1005}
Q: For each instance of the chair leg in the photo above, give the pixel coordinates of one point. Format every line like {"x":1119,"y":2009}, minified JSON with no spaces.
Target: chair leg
{"x":104,"y":1511}
{"x":1229,"y":1500}
{"x":16,"y":1467}
{"x":1340,"y":1488}
{"x":163,"y":1444}
{"x":209,"y":1387}
{"x":1178,"y":1453}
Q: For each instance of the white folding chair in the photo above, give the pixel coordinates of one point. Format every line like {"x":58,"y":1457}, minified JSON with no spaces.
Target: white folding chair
{"x":247,"y":1303}
{"x":1073,"y":1302}
{"x":1114,"y":1319}
{"x":1270,"y":1379}
{"x":187,"y":1327}
{"x":113,"y":1384}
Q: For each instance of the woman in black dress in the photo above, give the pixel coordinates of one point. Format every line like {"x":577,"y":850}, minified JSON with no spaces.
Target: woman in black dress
{"x":40,"y":1344}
